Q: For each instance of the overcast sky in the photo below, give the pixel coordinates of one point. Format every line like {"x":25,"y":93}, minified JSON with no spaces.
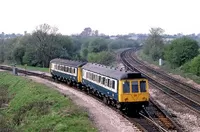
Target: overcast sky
{"x":107,"y":16}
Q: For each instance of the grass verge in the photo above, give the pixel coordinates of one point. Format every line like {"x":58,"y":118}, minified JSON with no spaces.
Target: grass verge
{"x":32,"y":68}
{"x":166,"y":66}
{"x":35,"y":107}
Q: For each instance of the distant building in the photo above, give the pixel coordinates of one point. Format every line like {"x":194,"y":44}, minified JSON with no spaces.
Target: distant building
{"x":133,"y":37}
{"x":113,"y":37}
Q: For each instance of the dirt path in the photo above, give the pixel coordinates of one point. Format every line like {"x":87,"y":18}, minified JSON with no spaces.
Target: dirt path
{"x":104,"y":117}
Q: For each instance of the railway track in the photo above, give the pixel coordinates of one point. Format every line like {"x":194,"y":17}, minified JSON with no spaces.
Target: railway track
{"x":180,"y":91}
{"x":151,"y":119}
{"x":155,"y":119}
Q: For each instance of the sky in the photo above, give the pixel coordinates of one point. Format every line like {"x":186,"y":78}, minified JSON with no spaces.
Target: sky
{"x":110,"y":17}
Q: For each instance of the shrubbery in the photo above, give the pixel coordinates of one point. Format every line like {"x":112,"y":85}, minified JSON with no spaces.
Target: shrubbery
{"x":193,"y":66}
{"x":180,"y":52}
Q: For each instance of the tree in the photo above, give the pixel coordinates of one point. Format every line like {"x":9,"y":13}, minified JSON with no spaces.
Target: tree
{"x":181,"y":50}
{"x":44,"y":39}
{"x":18,"y":54}
{"x":104,"y":57}
{"x":154,"y":44}
{"x":98,"y":45}
{"x":193,"y":66}
{"x":86,"y":32}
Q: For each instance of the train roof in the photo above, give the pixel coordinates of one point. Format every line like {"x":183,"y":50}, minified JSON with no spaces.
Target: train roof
{"x":66,"y":62}
{"x":111,"y":72}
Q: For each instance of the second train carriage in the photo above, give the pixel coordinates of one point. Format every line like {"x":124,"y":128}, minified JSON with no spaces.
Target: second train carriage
{"x":120,"y":88}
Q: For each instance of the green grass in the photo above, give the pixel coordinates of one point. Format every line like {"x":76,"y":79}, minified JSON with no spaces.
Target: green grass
{"x":166,"y":66}
{"x":34,"y":68}
{"x":34,"y":107}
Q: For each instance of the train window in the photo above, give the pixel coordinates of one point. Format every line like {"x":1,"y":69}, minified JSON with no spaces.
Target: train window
{"x":86,"y":74}
{"x":74,"y":70}
{"x":62,"y":68}
{"x":108,"y":83}
{"x":113,"y":84}
{"x":94,"y":77}
{"x":135,"y":87}
{"x":90,"y":76}
{"x":142,"y":86}
{"x":103,"y":80}
{"x":126,"y":87}
{"x":99,"y":79}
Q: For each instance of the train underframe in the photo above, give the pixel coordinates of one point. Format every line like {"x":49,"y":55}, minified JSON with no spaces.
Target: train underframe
{"x":127,"y":107}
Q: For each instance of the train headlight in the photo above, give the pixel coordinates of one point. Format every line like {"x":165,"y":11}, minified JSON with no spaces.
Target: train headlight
{"x":144,"y":98}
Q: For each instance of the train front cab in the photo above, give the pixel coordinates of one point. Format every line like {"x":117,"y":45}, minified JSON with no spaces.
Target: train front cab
{"x":133,"y":93}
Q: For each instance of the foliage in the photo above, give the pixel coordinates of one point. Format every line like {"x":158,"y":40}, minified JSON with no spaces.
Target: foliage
{"x":97,"y":45}
{"x":34,"y":107}
{"x":122,"y":43}
{"x":154,"y":44}
{"x":103,"y":57}
{"x":45,"y":43}
{"x":193,"y":66}
{"x":18,"y":54}
{"x":181,"y":50}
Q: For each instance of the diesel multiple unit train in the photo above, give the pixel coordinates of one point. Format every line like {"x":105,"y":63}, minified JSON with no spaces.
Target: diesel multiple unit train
{"x":123,"y":89}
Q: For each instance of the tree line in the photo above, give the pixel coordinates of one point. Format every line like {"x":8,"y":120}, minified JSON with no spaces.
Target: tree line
{"x":45,"y":43}
{"x":181,"y":52}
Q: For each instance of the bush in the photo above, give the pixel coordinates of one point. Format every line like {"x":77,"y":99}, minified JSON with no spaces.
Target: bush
{"x":104,"y":57}
{"x":193,"y":66}
{"x":181,"y":50}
